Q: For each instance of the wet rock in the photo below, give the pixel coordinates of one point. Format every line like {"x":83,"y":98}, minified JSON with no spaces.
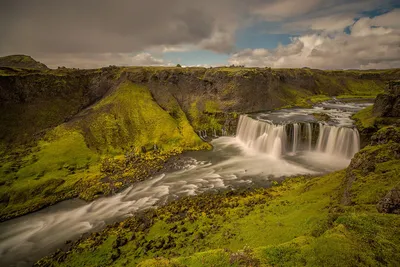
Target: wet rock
{"x":391,"y":202}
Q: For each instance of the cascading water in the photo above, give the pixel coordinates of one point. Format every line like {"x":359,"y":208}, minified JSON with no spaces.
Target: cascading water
{"x":295,"y":136}
{"x":261,"y":136}
{"x":277,"y":139}
{"x":341,"y":141}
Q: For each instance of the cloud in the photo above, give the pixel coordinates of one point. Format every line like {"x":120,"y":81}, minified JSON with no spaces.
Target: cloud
{"x":281,"y":9}
{"x":314,"y":15}
{"x":95,"y":33}
{"x":126,"y":26}
{"x":146,"y":59}
{"x":369,"y":45}
{"x":331,"y":23}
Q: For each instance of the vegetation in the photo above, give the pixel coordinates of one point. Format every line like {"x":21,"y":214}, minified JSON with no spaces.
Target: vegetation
{"x":21,"y":61}
{"x":62,"y":131}
{"x":86,"y":133}
{"x":365,"y":119}
{"x":322,"y":221}
{"x":109,"y":139}
{"x":321,"y":116}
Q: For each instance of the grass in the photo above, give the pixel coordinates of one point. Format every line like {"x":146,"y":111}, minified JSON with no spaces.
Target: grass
{"x":106,"y":140}
{"x":295,"y":97}
{"x":301,"y":222}
{"x":130,"y":117}
{"x":365,"y":118}
{"x":66,"y":106}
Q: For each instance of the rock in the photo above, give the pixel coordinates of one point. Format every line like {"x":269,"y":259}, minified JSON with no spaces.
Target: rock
{"x":119,"y":242}
{"x":383,"y":105}
{"x":386,"y":135}
{"x":391,"y":202}
{"x":115,"y":254}
{"x":388,"y":104}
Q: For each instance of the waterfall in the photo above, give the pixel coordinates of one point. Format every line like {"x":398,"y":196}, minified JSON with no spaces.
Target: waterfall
{"x":278,"y":139}
{"x":309,"y":135}
{"x":295,"y":136}
{"x":341,"y":141}
{"x":261,"y":136}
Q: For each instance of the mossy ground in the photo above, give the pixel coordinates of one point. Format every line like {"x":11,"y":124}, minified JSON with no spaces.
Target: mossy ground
{"x":56,"y":141}
{"x":364,"y":118}
{"x":301,"y":222}
{"x":124,"y":137}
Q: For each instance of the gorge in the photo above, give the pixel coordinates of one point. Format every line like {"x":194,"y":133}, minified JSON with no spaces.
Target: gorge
{"x":124,"y":139}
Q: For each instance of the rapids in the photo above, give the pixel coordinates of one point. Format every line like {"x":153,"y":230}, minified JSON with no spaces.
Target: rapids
{"x":268,"y":146}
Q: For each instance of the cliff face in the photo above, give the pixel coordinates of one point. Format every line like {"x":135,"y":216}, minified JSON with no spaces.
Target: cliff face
{"x":210,"y":98}
{"x":67,"y":133}
{"x":388,"y":104}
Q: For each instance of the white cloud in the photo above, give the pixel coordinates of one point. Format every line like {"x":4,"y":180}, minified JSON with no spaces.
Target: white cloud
{"x":146,"y":59}
{"x":369,"y":45}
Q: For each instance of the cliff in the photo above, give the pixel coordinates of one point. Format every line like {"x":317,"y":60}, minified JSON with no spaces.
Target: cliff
{"x":67,"y":132}
{"x":346,"y":218}
{"x":388,"y":103}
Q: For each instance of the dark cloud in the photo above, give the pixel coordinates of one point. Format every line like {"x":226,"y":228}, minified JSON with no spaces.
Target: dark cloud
{"x":104,"y":26}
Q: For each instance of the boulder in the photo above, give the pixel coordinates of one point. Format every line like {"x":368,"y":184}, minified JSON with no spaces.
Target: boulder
{"x":391,"y":202}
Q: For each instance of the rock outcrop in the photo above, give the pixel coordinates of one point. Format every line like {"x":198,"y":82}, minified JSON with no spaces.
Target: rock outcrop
{"x":388,"y":104}
{"x":391,"y":202}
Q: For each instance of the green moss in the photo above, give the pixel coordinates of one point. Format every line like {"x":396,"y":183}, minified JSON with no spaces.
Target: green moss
{"x":364,"y":88}
{"x":104,"y":140}
{"x":298,"y":97}
{"x":207,"y":116}
{"x":321,"y":116}
{"x":364,"y":118}
{"x":48,"y":174}
{"x":130,"y":118}
{"x":300,"y":222}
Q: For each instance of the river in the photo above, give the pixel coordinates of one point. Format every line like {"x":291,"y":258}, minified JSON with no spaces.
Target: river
{"x":268,"y":146}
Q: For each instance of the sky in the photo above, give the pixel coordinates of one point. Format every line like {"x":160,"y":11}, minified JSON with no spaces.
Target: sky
{"x":323,"y":34}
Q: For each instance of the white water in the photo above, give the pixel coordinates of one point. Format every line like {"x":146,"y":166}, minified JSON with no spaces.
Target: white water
{"x":261,"y":152}
{"x":277,"y":139}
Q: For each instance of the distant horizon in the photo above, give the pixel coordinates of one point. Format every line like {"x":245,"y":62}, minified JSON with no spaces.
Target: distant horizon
{"x":209,"y":67}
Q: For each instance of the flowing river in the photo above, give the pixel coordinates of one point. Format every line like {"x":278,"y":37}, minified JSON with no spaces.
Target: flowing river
{"x":268,"y":146}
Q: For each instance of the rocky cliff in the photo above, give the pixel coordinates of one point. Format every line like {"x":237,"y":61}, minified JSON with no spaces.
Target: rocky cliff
{"x":67,"y":132}
{"x":388,"y":103}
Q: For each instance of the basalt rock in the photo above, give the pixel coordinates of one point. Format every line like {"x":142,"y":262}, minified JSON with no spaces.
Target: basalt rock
{"x":388,"y":104}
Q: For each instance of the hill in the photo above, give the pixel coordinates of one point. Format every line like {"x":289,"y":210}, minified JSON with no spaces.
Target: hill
{"x":21,"y":61}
